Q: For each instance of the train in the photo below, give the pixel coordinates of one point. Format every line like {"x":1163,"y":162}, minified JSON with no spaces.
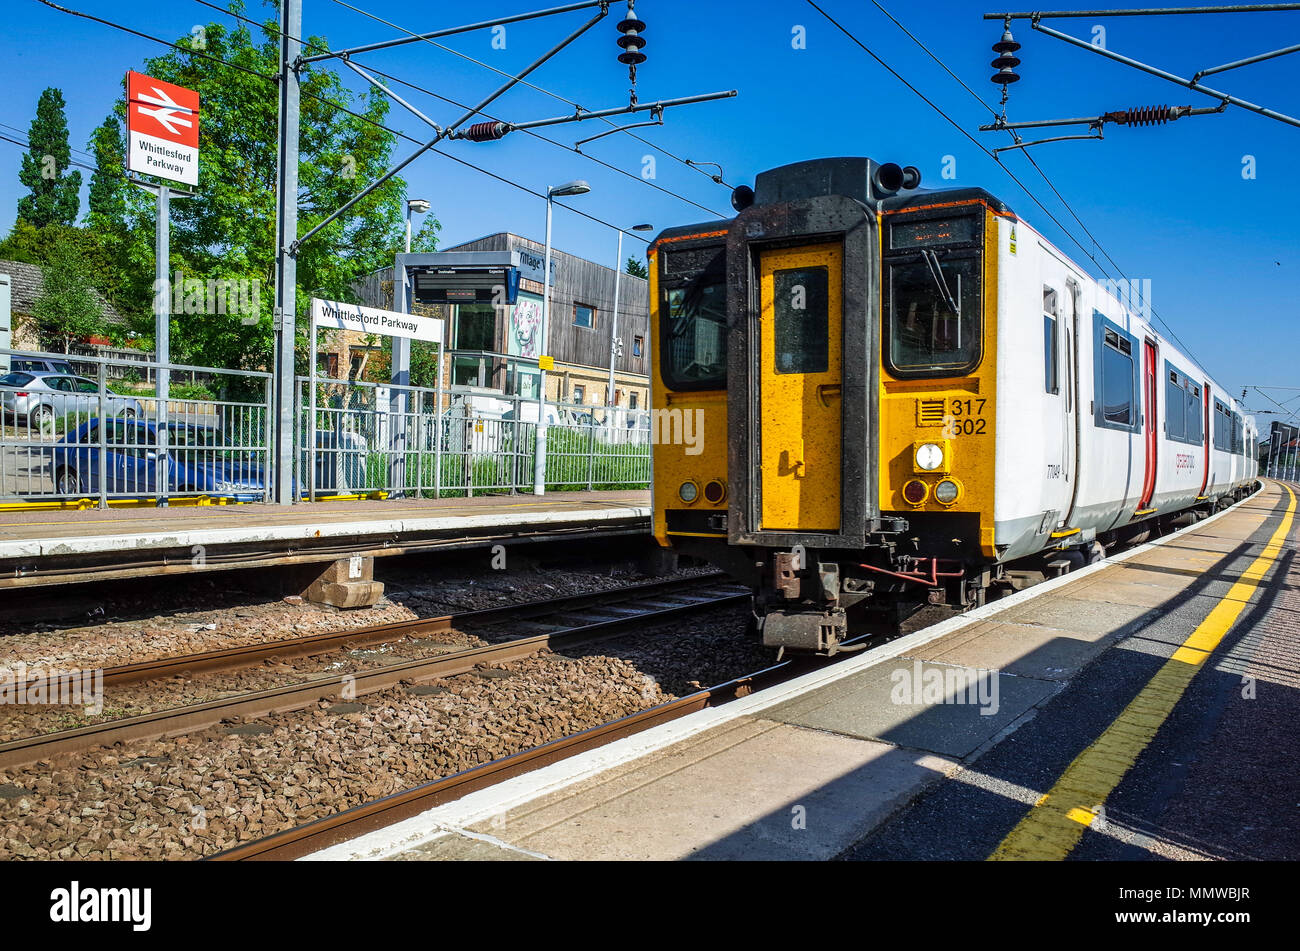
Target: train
{"x":871,"y":396}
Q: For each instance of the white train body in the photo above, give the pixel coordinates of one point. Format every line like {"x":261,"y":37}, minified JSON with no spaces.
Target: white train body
{"x":1076,"y":454}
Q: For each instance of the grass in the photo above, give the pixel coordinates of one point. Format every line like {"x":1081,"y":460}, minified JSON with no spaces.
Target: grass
{"x":573,"y":457}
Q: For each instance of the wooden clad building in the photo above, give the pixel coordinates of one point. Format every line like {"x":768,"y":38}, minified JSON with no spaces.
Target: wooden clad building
{"x":582,"y":306}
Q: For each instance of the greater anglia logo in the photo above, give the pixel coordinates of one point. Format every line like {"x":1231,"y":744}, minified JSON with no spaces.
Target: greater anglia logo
{"x":76,"y":904}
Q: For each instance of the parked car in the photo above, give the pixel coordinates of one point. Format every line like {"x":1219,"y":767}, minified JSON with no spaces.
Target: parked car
{"x":19,"y":364}
{"x":41,"y":398}
{"x":197,"y":463}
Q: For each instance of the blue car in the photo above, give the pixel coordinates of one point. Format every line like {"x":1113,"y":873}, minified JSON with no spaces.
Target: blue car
{"x":198,"y":462}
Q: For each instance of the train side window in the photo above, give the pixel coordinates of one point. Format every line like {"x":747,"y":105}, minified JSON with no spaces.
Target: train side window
{"x":801,"y":301}
{"x":1117,"y":380}
{"x":1193,"y":423}
{"x":1175,"y":408}
{"x":1051,"y":344}
{"x":1051,"y":367}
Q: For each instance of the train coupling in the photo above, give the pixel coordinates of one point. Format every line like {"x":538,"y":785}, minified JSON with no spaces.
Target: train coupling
{"x":803,"y":612}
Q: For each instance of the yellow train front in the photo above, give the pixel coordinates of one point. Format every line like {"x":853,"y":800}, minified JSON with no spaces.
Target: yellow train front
{"x":792,"y":443}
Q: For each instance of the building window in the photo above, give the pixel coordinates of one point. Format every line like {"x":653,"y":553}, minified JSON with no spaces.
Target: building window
{"x":584,"y":316}
{"x":632,"y":400}
{"x":579,"y":394}
{"x":638,"y":345}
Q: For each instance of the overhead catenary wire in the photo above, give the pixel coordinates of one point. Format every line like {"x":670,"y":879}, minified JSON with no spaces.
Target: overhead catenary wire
{"x":1050,"y":184}
{"x":329,"y":102}
{"x":27,"y":145}
{"x":460,"y":105}
{"x":570,"y":102}
{"x":1023,"y":187}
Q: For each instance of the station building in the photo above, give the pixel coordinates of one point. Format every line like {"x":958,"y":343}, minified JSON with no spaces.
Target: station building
{"x":496,"y":346}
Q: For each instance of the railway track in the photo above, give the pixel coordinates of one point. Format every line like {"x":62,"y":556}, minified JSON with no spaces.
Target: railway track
{"x":367,"y":817}
{"x":569,"y":622}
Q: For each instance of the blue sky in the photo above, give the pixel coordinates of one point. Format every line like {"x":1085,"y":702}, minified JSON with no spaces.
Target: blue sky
{"x":1169,"y":204}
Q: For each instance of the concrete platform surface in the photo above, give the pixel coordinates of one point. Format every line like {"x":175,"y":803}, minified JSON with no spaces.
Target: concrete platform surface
{"x":53,"y":547}
{"x":945,"y":743}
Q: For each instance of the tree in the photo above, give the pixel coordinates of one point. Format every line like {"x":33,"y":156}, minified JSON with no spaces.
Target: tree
{"x":426,"y":239}
{"x":637,"y":268}
{"x":227,"y":232}
{"x":108,"y":185}
{"x":53,"y":188}
{"x":67,"y":308}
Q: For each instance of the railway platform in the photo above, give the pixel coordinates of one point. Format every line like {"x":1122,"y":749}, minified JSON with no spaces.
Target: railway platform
{"x":55,"y":547}
{"x":1140,"y":708}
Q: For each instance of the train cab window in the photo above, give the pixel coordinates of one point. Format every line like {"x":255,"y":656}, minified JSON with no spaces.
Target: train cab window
{"x":801,"y":320}
{"x":934,"y":315}
{"x":693,"y":318}
{"x":1117,"y":380}
{"x":1051,"y":347}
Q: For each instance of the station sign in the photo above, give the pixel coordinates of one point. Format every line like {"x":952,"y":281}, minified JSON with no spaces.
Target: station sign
{"x":372,"y":320}
{"x":162,"y":129}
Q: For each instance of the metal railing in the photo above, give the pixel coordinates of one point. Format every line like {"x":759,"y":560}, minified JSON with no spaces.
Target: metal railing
{"x":93,"y":438}
{"x":368,"y":438}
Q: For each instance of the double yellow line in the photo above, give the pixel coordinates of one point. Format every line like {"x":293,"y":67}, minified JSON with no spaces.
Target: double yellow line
{"x":1053,"y":827}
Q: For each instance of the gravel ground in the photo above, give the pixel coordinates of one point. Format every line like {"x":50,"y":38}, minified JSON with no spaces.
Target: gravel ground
{"x":196,"y":794}
{"x":134,"y":699}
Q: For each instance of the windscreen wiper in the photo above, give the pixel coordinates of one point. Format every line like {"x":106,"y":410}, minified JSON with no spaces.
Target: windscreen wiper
{"x":936,"y":273}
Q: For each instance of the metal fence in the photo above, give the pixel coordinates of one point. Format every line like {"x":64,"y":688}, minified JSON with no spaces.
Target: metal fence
{"x":364,"y":438}
{"x":94,"y":438}
{"x":72,"y":438}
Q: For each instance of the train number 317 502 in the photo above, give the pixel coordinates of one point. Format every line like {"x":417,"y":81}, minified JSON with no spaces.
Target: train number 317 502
{"x":965,"y":417}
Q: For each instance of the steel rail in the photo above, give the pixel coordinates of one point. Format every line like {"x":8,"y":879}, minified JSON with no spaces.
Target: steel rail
{"x":247,"y":655}
{"x":177,"y":720}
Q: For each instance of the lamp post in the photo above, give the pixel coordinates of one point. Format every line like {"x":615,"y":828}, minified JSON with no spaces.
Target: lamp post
{"x":420,"y":207}
{"x":613,"y":324}
{"x":577,"y":187}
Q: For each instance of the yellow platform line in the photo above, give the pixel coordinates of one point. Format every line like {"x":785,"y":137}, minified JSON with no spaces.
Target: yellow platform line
{"x":1053,"y":827}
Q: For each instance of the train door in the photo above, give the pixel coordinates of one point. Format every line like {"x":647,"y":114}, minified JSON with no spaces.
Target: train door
{"x":1205,"y":430}
{"x":1058,"y":434}
{"x":1149,"y":423}
{"x":800,"y":389}
{"x":1074,"y":422}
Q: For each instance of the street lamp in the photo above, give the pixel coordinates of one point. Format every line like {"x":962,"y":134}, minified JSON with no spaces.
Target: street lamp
{"x":577,"y":187}
{"x":613,"y":324}
{"x":420,"y":207}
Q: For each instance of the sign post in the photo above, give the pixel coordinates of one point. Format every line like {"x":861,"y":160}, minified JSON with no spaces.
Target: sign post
{"x":369,"y":320}
{"x":162,"y":131}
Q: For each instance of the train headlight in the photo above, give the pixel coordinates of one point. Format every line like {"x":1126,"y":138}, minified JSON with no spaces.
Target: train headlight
{"x":947,"y":492}
{"x":688,"y":492}
{"x":929,"y":456}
